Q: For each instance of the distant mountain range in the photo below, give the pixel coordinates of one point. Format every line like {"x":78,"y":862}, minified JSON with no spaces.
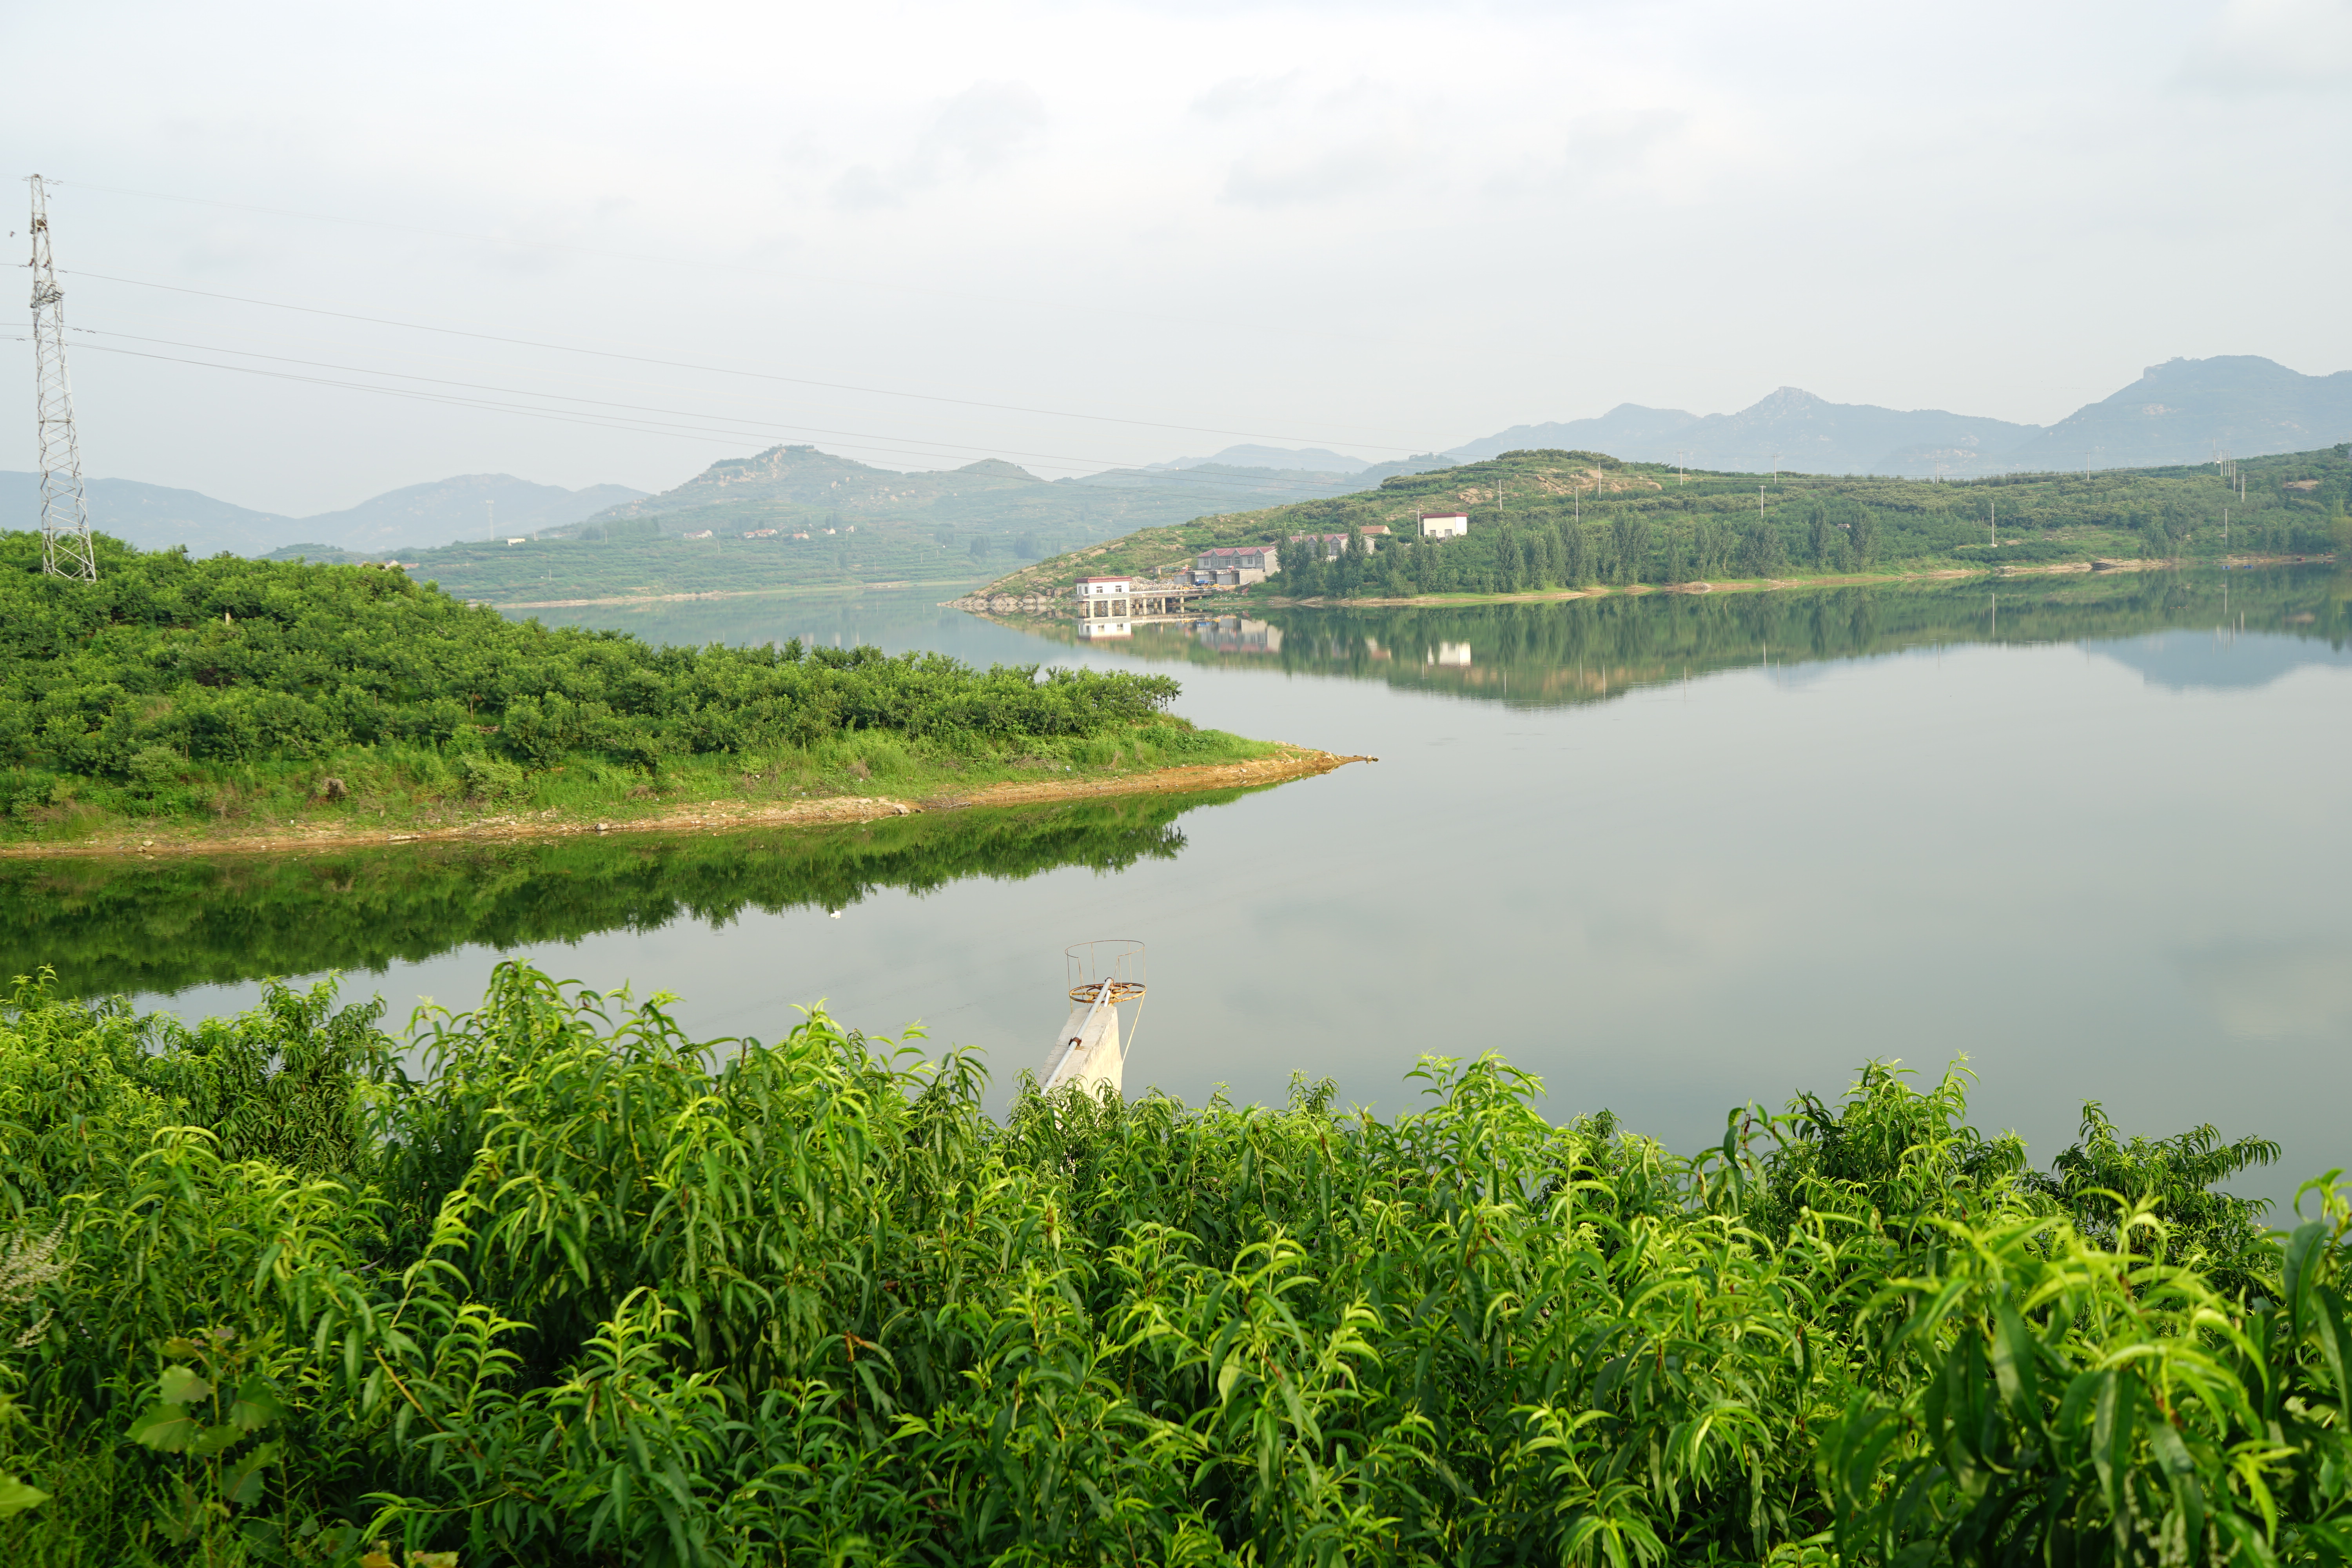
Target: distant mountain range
{"x":1789,"y":430}
{"x":2183,"y":411}
{"x":795,"y":487}
{"x":1317,"y":459}
{"x":471,"y":506}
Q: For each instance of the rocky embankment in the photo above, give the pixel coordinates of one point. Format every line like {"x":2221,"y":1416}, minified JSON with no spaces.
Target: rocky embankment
{"x":1008,"y":603}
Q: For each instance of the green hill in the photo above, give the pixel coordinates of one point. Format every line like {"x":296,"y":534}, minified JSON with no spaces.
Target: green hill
{"x":1556,"y":520}
{"x":242,"y":695}
{"x":793,"y":517}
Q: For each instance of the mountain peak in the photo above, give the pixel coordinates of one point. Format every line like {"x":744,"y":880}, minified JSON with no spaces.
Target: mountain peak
{"x":997,"y":468}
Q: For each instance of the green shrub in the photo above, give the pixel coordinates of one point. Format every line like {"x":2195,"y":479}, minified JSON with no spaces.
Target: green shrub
{"x":553,"y":1284}
{"x":486,"y":778}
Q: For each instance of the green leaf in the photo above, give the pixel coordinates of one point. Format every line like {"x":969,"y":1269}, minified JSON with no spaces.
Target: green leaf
{"x":216,"y":1440}
{"x":241,"y":1488}
{"x":16,"y":1497}
{"x":168,"y":1427}
{"x":257,"y":1405}
{"x":2334,"y":1340}
{"x":2112,"y":1427}
{"x":2014,"y":1368}
{"x":2308,"y":1244}
{"x":181,"y":1346}
{"x":180,"y":1385}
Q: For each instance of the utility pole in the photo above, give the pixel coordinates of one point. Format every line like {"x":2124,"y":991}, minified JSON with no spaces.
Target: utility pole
{"x":1992,"y":526}
{"x":66,"y":548}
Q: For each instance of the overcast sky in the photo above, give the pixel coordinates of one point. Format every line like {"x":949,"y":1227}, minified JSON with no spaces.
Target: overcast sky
{"x":1158,"y":228}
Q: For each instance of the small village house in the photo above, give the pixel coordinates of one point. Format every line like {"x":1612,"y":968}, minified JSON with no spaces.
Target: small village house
{"x":1106,"y":599}
{"x":1236,"y":566}
{"x":1444,"y":524}
{"x":1334,"y":544}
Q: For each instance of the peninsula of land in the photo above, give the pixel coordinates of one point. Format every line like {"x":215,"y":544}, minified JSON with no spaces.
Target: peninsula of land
{"x":176,"y":704}
{"x":1562,"y":524}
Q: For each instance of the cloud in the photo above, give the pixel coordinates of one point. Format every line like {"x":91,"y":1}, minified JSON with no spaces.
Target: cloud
{"x":1600,"y":145}
{"x":1289,"y":178}
{"x":2259,"y":48}
{"x":1244,"y":95}
{"x":978,"y":130}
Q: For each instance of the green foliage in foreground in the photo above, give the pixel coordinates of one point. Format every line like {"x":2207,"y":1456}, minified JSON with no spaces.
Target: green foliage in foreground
{"x":584,"y":1292}
{"x":176,"y":688}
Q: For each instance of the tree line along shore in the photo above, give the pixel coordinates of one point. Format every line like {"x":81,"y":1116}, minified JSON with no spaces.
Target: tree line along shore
{"x":227,"y":698}
{"x":1558,"y":520}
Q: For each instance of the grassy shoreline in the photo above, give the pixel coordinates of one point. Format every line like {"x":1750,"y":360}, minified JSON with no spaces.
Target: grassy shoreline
{"x":718,"y":798}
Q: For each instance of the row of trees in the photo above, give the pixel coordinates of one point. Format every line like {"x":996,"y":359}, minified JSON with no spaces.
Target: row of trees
{"x":549,"y":1283}
{"x":1508,"y":553}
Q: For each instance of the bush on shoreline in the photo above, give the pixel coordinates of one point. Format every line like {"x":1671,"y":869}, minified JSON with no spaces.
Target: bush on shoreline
{"x":555,"y":1285}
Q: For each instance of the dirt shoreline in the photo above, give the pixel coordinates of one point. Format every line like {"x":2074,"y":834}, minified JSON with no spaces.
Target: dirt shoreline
{"x":707,"y":816}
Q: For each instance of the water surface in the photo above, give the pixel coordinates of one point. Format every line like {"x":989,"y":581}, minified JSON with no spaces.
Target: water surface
{"x":1673,"y":854}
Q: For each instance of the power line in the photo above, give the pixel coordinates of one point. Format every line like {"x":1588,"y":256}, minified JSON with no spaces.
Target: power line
{"x":629,"y":418}
{"x":667,"y":263}
{"x":730,"y":370}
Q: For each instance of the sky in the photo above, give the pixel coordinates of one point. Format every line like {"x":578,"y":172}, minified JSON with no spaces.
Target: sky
{"x":1077,"y":236}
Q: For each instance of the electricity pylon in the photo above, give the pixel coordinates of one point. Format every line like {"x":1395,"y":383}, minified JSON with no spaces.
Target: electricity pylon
{"x":66,"y":550}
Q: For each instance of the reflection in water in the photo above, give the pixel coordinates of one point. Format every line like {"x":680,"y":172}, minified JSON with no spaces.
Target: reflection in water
{"x":1587,"y":650}
{"x":107,"y":926}
{"x":2100,"y":859}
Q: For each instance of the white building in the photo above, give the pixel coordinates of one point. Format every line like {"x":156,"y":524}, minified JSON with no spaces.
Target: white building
{"x":1100,"y":597}
{"x":1444,"y":524}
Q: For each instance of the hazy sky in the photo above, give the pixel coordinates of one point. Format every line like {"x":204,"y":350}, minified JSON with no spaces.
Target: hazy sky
{"x":1382,"y":228}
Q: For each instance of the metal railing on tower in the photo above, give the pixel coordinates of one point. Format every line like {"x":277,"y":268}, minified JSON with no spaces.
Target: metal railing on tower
{"x":66,"y":548}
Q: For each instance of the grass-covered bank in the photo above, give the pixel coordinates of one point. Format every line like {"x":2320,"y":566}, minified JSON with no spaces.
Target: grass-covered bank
{"x":239,"y":699}
{"x":578,"y":1291}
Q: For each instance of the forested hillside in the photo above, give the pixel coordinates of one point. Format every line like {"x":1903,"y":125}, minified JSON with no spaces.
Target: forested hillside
{"x":226,"y":689}
{"x":1551,"y":520}
{"x":549,"y":1283}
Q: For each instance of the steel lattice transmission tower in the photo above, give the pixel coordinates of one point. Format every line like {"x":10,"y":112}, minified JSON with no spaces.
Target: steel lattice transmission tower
{"x":66,"y":550}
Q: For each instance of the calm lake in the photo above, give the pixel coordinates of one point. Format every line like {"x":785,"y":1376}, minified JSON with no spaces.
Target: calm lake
{"x":1672,"y":853}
